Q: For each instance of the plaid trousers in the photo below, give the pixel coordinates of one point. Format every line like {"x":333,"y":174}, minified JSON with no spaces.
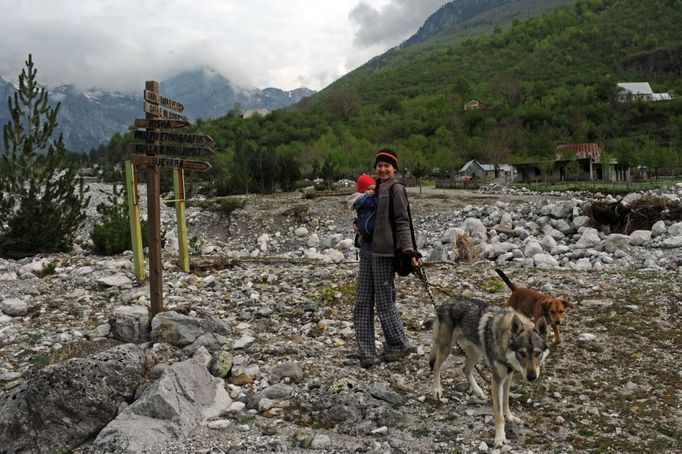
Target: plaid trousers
{"x":376,"y":284}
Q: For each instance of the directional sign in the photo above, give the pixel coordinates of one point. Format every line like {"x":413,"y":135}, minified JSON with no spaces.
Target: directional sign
{"x":153,"y":136}
{"x":161,"y":124}
{"x":180,"y":150}
{"x":158,"y":99}
{"x":177,"y":163}
{"x":163,"y":113}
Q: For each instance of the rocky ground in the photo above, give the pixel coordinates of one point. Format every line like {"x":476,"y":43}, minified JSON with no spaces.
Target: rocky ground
{"x":280,"y":273}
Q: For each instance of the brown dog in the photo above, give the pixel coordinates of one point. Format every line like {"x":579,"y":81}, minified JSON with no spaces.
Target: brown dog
{"x":534,"y":304}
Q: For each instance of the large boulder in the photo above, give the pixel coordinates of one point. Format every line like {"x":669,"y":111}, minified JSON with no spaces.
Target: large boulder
{"x":589,"y":238}
{"x":63,"y":405}
{"x":130,"y":323}
{"x":475,"y":229}
{"x":174,"y":328}
{"x":169,"y":410}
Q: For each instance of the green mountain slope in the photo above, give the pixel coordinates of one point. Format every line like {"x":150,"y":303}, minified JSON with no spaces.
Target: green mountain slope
{"x":499,"y":17}
{"x":580,"y":44}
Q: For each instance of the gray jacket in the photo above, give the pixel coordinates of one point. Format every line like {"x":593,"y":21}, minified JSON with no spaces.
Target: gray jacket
{"x":382,"y":239}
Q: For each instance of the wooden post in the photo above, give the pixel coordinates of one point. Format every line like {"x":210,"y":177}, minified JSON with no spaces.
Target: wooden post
{"x":134,"y":216}
{"x":154,"y":220}
{"x":183,"y":248}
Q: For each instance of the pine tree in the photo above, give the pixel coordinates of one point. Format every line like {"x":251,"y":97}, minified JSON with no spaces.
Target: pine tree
{"x":42,"y":198}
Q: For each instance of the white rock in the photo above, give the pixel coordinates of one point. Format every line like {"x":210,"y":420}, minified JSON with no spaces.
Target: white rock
{"x":344,"y":245}
{"x":219,"y":424}
{"x":639,"y":237}
{"x":586,"y":337}
{"x":117,"y":280}
{"x":13,"y":307}
{"x":236,"y":406}
{"x":532,"y":248}
{"x":675,"y":229}
{"x":321,"y":441}
{"x":34,"y":267}
{"x":589,"y":238}
{"x":551,"y":231}
{"x":548,"y":242}
{"x":506,"y":222}
{"x":335,"y":256}
{"x":672,"y":243}
{"x":475,"y":229}
{"x":583,"y":264}
{"x":243,"y":342}
{"x":581,"y":221}
{"x":313,"y":240}
{"x":301,"y":232}
{"x":630,"y":198}
{"x":380,"y":430}
{"x":545,"y":261}
{"x":659,"y":228}
{"x":617,"y":242}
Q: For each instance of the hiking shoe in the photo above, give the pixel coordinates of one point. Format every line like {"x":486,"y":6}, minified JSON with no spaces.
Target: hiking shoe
{"x":368,"y":362}
{"x":390,"y":357}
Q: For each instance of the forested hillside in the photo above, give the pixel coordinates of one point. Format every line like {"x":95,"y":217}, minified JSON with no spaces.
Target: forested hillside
{"x":540,"y":82}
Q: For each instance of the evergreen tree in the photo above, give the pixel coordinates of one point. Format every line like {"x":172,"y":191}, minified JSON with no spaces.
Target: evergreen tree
{"x":42,"y":198}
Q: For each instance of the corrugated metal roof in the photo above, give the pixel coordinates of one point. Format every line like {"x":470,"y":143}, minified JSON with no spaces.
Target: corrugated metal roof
{"x":583,"y":150}
{"x":636,"y":88}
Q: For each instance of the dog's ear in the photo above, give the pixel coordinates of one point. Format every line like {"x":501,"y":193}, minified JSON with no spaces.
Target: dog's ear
{"x":565,"y":302}
{"x":541,"y":326}
{"x":516,"y":325}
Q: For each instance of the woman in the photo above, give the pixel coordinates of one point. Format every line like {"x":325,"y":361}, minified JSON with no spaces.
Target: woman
{"x":376,"y":276}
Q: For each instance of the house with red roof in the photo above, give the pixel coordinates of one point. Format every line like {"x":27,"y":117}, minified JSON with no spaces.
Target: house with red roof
{"x":573,"y":162}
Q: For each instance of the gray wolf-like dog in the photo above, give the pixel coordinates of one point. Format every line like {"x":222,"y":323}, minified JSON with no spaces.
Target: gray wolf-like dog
{"x":506,"y":340}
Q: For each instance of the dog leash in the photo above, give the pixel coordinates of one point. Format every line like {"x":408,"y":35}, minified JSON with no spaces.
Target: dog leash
{"x":421,"y":274}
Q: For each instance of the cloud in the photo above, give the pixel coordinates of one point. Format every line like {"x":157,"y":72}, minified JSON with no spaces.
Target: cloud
{"x":118,"y":44}
{"x":392,"y":23}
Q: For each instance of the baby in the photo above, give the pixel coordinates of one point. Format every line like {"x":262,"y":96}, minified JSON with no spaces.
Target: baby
{"x":364,"y":202}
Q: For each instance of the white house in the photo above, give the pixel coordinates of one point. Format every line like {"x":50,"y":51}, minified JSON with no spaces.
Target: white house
{"x":628,"y":91}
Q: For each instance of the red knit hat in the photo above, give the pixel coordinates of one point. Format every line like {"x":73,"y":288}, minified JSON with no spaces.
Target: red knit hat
{"x":364,"y":181}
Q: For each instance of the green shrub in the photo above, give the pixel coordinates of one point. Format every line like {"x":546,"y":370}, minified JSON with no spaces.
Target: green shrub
{"x":48,"y":269}
{"x":112,"y":235}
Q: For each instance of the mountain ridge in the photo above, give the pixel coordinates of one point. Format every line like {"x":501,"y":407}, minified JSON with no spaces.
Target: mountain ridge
{"x":89,"y":118}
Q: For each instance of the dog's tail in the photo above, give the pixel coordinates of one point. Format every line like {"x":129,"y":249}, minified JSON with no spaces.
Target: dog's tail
{"x":506,"y":280}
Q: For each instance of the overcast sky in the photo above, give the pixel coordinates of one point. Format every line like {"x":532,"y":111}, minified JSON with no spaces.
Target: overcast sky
{"x":118,"y":44}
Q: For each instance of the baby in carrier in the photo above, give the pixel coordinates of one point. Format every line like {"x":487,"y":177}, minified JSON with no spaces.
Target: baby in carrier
{"x":364,"y":202}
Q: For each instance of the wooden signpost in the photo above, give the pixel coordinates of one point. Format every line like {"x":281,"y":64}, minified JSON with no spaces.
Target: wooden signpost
{"x":151,"y":136}
{"x":155,"y":123}
{"x":177,"y":163}
{"x":161,"y":149}
{"x":153,"y":149}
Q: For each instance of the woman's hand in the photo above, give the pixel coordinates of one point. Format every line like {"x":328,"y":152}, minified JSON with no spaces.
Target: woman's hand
{"x":416,"y":259}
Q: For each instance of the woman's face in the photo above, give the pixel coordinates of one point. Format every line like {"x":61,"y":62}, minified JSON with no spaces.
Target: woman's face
{"x":384,"y":170}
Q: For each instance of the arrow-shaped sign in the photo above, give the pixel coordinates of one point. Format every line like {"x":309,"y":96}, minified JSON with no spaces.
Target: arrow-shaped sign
{"x":161,"y":124}
{"x":153,"y":136}
{"x":163,"y":113}
{"x":151,"y":149}
{"x":155,"y":98}
{"x":176,"y":163}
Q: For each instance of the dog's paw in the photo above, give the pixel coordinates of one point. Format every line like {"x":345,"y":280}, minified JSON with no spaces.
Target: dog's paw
{"x":438,"y":393}
{"x":500,"y":439}
{"x":479,"y":392}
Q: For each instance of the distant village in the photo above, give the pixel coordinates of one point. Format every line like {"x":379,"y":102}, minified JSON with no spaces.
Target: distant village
{"x":573,"y":161}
